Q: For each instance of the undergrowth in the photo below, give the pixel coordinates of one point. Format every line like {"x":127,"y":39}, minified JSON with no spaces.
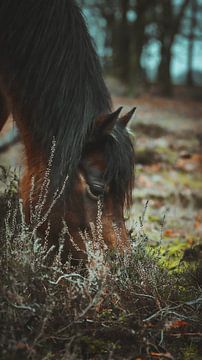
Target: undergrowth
{"x":121,"y":307}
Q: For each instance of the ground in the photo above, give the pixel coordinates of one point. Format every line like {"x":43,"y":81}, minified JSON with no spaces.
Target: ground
{"x":143,"y":306}
{"x":168,"y":143}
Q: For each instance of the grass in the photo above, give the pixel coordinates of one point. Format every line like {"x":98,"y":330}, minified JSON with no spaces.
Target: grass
{"x":120,"y":307}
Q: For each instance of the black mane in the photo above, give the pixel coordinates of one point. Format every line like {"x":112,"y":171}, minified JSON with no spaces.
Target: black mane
{"x":51,"y":71}
{"x":119,"y":152}
{"x":52,"y":76}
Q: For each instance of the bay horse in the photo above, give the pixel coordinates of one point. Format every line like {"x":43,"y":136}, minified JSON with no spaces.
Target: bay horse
{"x":51,"y":82}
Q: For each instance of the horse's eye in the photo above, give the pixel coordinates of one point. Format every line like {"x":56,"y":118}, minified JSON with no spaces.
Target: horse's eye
{"x":95,"y":191}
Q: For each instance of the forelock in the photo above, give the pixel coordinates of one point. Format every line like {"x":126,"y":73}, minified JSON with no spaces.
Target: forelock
{"x":119,"y":154}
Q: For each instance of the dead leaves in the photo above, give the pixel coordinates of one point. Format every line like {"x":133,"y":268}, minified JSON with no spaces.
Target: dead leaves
{"x":175,"y":324}
{"x":190,"y":163}
{"x":171,"y":233}
{"x":166,"y":355}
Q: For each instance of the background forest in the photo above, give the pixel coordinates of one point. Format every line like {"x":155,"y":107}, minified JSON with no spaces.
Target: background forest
{"x":143,"y":42}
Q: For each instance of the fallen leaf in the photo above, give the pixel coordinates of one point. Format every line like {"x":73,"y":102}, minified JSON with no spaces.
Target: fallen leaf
{"x":170,"y":233}
{"x":197,"y":224}
{"x":176,"y":324}
{"x":21,"y":346}
{"x":166,"y":355}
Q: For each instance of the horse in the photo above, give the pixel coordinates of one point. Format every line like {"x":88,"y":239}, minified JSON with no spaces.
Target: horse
{"x":51,"y":82}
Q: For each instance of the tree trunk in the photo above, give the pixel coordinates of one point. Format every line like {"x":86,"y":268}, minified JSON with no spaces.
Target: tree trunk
{"x":118,"y":38}
{"x":190,"y":80}
{"x":139,"y":39}
{"x":164,"y":75}
{"x":166,"y":25}
{"x":169,"y":26}
{"x":123,"y":54}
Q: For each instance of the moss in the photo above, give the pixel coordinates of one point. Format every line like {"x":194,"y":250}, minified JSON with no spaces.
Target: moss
{"x":170,"y":254}
{"x":168,"y":154}
{"x":155,"y":218}
{"x":193,"y":181}
{"x":191,"y":352}
{"x":95,"y":346}
{"x":49,"y":356}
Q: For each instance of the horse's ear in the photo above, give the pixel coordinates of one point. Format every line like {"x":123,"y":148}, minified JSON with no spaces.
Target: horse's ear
{"x":124,"y":120}
{"x":105,"y":123}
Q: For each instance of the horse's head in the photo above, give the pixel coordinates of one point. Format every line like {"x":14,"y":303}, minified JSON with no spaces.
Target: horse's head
{"x":104,"y":182}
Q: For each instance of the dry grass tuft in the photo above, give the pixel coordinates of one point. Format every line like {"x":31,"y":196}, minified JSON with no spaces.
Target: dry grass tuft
{"x":124,"y":307}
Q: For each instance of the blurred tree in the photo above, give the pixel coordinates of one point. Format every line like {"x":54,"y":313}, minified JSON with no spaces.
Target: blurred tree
{"x":144,"y":12}
{"x":130,"y":25}
{"x":192,"y":32}
{"x":169,"y":24}
{"x":191,"y":43}
{"x":126,"y":21}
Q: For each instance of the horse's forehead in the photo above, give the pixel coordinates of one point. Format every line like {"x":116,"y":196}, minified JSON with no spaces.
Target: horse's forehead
{"x":95,"y":159}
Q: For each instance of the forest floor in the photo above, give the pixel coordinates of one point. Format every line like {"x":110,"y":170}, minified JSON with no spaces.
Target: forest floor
{"x":168,"y":142}
{"x":143,"y":306}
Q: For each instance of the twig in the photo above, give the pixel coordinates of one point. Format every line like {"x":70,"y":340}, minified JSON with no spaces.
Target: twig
{"x":186,"y":334}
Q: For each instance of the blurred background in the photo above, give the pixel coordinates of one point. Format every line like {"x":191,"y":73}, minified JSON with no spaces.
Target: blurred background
{"x":151,"y":53}
{"x":155,"y":44}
